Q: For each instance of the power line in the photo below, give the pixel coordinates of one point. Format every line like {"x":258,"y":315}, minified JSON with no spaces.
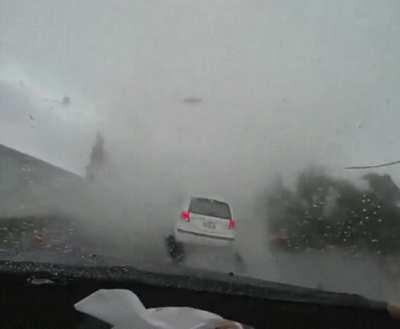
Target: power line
{"x":386,"y":164}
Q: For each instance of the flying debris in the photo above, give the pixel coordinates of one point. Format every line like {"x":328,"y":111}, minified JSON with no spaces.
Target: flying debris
{"x":192,"y":100}
{"x":66,"y":100}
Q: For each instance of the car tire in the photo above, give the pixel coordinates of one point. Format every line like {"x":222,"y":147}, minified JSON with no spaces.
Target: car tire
{"x":175,"y":249}
{"x":238,"y":257}
{"x":240,"y":265}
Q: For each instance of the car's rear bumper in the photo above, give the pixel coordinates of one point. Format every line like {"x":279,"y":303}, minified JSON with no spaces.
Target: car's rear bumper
{"x":188,"y":237}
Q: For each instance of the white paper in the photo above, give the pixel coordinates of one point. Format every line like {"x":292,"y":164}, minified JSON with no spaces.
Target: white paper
{"x":123,"y":310}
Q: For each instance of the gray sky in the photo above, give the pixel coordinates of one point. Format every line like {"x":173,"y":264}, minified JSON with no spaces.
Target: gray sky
{"x":283,"y":83}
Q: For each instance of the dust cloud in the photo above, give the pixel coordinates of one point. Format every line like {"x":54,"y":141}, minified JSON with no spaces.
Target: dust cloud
{"x":274,"y":87}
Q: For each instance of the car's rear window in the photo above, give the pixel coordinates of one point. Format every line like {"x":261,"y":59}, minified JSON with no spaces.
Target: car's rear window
{"x":210,"y":207}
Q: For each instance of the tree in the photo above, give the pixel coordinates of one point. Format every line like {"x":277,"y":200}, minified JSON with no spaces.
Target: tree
{"x":97,"y":158}
{"x":323,"y":212}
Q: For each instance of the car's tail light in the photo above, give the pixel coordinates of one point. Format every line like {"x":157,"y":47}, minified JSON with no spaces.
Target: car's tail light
{"x":185,"y":216}
{"x":232,"y":224}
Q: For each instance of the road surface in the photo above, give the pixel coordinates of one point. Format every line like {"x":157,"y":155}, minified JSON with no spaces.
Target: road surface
{"x":65,"y":244}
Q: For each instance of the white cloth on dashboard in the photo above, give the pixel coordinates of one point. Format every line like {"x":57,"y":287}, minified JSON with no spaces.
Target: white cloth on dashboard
{"x":123,"y":310}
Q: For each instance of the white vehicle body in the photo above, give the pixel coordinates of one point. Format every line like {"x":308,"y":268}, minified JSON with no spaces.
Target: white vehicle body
{"x":205,"y":221}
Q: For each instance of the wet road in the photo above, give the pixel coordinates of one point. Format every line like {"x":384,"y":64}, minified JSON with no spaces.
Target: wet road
{"x":64,"y":243}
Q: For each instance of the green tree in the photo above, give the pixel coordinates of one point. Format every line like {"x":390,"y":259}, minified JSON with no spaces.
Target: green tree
{"x":97,"y":158}
{"x":322,"y":212}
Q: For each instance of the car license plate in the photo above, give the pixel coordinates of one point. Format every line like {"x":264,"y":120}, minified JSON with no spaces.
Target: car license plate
{"x":209,"y":225}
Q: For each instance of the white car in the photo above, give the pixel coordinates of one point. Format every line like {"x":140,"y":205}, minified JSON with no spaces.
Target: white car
{"x":203,"y":221}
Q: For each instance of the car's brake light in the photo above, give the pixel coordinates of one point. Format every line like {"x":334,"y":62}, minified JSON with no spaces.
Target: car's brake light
{"x":232,"y":224}
{"x":185,"y":216}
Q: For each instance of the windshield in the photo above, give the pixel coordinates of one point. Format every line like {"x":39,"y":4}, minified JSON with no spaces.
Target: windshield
{"x":112,"y":113}
{"x":209,"y":208}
